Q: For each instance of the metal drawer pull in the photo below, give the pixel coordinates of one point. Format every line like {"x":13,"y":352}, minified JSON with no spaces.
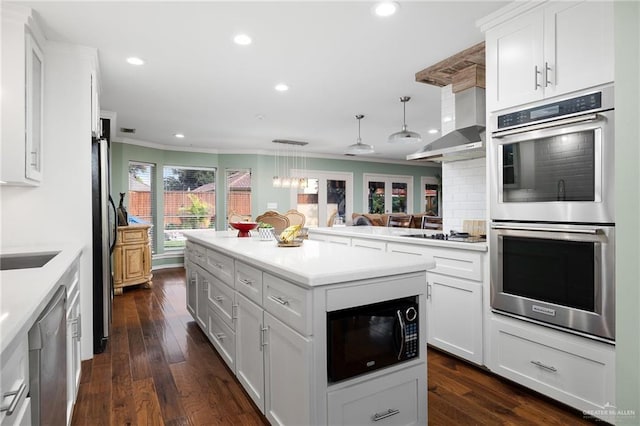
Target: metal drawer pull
{"x":263,"y":341}
{"x":220,"y":336}
{"x":218,"y":298}
{"x":390,"y":412}
{"x":280,"y":300}
{"x":79,"y":326}
{"x":14,"y":402}
{"x":547,"y":68}
{"x":217,"y":265}
{"x":246,"y":281}
{"x":546,"y":367}
{"x":234,"y":311}
{"x":428,"y":291}
{"x":535,"y":78}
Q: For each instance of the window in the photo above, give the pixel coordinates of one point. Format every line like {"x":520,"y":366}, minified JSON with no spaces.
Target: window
{"x":238,"y":190}
{"x":388,"y":194}
{"x":189,"y":202}
{"x":142,"y":196}
{"x":326,"y":193}
{"x":431,"y":195}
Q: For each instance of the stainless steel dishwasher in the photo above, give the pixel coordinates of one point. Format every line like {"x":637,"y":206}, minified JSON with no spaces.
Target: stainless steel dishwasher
{"x":48,"y":363}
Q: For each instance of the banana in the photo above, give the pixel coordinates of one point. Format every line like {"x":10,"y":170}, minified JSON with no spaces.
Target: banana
{"x":290,"y":233}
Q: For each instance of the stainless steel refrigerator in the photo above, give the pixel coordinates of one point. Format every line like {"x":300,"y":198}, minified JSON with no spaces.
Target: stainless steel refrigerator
{"x":104,"y":239}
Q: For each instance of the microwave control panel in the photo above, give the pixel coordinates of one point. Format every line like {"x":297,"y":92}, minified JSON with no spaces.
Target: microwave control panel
{"x":411,"y":334}
{"x":553,"y":110}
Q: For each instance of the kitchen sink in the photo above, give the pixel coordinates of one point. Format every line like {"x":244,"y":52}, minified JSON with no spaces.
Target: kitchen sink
{"x":25,"y":261}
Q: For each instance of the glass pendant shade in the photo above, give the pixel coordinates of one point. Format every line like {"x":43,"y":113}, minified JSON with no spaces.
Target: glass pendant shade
{"x":359,"y":148}
{"x":404,"y":136}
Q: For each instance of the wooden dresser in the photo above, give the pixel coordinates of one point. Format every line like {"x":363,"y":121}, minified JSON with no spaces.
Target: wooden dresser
{"x":132,"y":257}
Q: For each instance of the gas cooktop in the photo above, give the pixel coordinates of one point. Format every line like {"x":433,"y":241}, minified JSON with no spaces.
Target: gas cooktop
{"x":463,"y":237}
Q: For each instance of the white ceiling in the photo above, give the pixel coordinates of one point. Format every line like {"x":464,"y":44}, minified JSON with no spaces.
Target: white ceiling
{"x":338,"y":59}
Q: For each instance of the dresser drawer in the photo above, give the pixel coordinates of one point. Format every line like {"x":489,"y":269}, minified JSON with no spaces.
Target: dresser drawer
{"x":577,"y":371}
{"x":395,"y":399}
{"x":249,"y":282}
{"x":288,"y":302}
{"x":223,"y":339}
{"x":221,"y":266}
{"x":221,"y":299}
{"x":129,"y":235}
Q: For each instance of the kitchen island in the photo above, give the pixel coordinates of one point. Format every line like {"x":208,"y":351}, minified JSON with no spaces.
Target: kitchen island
{"x":265,"y":309}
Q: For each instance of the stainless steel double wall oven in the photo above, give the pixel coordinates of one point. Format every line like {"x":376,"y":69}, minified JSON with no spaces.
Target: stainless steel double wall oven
{"x":552,"y":208}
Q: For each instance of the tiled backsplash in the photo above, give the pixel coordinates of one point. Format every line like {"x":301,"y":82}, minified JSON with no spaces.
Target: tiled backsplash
{"x":463,"y":182}
{"x":463,"y":192}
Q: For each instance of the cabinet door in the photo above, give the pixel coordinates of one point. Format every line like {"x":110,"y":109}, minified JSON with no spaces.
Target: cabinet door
{"x":202,"y":310}
{"x":514,"y":61}
{"x":287,"y":357}
{"x":192,"y":289}
{"x":578,"y":46}
{"x":454,"y":316}
{"x":133,"y":260}
{"x":34,"y":109}
{"x":73,"y":353}
{"x":249,"y":349}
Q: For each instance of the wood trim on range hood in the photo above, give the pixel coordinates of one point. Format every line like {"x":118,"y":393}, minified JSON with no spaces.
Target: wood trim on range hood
{"x":463,"y":70}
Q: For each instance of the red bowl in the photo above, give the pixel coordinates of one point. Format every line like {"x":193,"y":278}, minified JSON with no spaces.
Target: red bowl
{"x":244,"y":228}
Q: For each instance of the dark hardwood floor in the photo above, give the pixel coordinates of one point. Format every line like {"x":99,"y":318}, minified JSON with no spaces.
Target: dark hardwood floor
{"x":160,"y":369}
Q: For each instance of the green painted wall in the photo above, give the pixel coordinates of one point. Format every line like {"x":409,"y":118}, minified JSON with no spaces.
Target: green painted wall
{"x":627,"y":63}
{"x":262,"y":170}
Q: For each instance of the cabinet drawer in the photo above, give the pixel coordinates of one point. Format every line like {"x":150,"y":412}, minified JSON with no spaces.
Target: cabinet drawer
{"x":249,"y":282}
{"x":223,"y":339}
{"x":133,"y":235}
{"x":577,"y":371}
{"x":221,"y":266}
{"x":197,"y":254}
{"x":396,"y":399}
{"x":370,"y":244}
{"x":15,"y":378}
{"x":289,"y":303}
{"x":221,"y":299}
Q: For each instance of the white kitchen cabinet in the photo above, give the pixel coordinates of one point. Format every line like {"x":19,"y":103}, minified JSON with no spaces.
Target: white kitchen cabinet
{"x":23,"y":64}
{"x":202,"y":299}
{"x":388,"y":400}
{"x":250,"y":331}
{"x":577,"y":371}
{"x":74,"y":334}
{"x":192,"y":288}
{"x":551,"y":50}
{"x":454,"y":316}
{"x":14,"y":383}
{"x":287,"y":356}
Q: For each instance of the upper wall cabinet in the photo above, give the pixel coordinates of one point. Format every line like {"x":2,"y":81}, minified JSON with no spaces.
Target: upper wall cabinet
{"x":23,"y":60}
{"x":547,"y":51}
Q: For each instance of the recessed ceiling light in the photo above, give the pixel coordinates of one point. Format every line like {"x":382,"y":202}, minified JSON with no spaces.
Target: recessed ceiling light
{"x":242,"y":39}
{"x":281,"y":87}
{"x":386,"y":8}
{"x":433,"y":131}
{"x":179,"y":135}
{"x":135,"y":61}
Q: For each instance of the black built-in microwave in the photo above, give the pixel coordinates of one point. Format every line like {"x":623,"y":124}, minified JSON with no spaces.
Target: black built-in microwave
{"x":366,"y":338}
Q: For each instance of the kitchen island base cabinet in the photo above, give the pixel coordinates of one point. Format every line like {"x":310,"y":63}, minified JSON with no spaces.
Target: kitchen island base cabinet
{"x":390,"y":400}
{"x":249,"y":349}
{"x":577,"y":371}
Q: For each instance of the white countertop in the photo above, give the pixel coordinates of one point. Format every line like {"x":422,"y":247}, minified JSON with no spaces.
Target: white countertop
{"x":315,"y":263}
{"x":384,"y":233}
{"x":24,"y":293}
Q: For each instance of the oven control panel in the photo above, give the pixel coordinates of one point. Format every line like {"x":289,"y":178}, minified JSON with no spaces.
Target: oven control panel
{"x":579,"y":104}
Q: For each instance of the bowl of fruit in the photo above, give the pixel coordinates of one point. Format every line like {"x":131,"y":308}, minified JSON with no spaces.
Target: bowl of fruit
{"x":290,"y":237}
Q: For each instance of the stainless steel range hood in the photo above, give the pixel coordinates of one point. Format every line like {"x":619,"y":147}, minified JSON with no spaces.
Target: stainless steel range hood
{"x":467,"y":141}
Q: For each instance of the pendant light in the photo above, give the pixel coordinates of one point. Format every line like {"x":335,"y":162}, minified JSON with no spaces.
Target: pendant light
{"x":404,"y":136}
{"x":359,"y":148}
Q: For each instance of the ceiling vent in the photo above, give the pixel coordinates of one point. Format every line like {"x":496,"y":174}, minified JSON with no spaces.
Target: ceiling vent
{"x":129,"y":130}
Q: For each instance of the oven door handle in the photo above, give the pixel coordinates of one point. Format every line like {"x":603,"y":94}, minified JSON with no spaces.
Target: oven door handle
{"x":587,"y":235}
{"x":546,"y":125}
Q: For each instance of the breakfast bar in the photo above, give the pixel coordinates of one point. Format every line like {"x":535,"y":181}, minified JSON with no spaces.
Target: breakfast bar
{"x":286,"y":319}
